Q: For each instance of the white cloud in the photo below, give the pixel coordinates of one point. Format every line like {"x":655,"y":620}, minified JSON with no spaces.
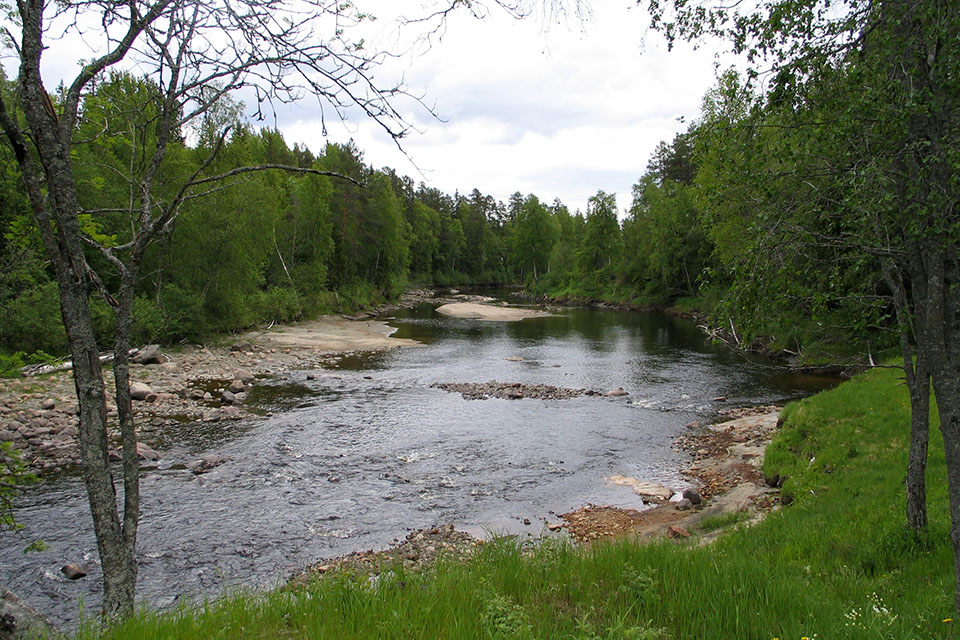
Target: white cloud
{"x":560,"y":112}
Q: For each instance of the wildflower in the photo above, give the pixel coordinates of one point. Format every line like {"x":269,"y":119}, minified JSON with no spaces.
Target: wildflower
{"x":945,"y":620}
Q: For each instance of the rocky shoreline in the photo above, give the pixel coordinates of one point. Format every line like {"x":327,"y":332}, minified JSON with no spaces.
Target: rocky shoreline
{"x":39,"y":415}
{"x":725,"y":469}
{"x":726,"y":474}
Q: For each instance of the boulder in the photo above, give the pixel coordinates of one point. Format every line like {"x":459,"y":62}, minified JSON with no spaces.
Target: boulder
{"x":70,"y":408}
{"x":684,"y":505}
{"x":244,"y":376}
{"x":48,"y":404}
{"x":149,"y":354}
{"x":242,"y":345}
{"x":73,"y":572}
{"x":653,"y":490}
{"x":140,"y":391}
{"x":616,"y":393}
{"x":237,"y":386}
{"x":228,"y":397}
{"x":144,"y":452}
{"x":693,"y":496}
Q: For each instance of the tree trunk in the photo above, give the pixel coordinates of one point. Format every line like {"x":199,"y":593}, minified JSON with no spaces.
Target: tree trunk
{"x":19,"y":621}
{"x":119,"y":569}
{"x":916,"y":373}
{"x":948,"y":403}
{"x":916,"y":484}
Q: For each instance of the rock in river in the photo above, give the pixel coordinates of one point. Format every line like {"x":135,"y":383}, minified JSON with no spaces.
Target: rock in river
{"x":73,"y":572}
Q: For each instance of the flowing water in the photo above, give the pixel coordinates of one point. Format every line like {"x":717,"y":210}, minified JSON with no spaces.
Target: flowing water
{"x":366,"y":451}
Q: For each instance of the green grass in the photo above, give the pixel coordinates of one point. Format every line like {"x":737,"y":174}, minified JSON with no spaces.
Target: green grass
{"x":839,"y":562}
{"x":712,"y":523}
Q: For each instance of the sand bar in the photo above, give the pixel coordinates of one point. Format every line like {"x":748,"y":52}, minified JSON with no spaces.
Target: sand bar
{"x":489,"y":312}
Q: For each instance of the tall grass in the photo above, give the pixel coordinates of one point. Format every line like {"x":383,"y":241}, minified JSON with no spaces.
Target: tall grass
{"x":838,"y":562}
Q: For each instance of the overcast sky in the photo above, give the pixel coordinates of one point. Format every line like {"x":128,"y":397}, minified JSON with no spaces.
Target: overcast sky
{"x":557,"y":110}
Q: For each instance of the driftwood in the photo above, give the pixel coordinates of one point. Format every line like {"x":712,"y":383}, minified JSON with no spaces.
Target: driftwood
{"x":40,"y":369}
{"x":19,"y":621}
{"x":151,"y":353}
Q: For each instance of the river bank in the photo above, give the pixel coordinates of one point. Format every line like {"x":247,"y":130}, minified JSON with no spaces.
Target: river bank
{"x":726,"y":467}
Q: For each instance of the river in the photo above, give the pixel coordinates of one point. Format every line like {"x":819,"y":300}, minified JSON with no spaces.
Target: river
{"x":357,"y":455}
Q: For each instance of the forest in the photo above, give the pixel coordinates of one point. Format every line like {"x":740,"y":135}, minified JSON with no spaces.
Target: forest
{"x":275,"y":246}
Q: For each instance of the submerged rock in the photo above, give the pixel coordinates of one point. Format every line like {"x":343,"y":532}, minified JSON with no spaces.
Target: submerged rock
{"x":508,"y":390}
{"x":206,"y":463}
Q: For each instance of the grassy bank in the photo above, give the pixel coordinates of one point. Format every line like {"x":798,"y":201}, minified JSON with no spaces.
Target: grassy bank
{"x":837,"y":562}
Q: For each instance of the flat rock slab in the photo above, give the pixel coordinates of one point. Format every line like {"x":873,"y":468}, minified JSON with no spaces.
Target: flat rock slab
{"x":653,"y":490}
{"x":489,"y":312}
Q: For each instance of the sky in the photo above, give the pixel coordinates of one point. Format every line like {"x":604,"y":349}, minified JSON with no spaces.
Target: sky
{"x":556,"y":108}
{"x":559,"y":110}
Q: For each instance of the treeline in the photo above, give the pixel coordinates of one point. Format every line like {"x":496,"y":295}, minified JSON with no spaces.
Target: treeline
{"x":258,"y":247}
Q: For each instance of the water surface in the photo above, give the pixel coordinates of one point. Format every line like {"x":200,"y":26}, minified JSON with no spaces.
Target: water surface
{"x":367,"y":450}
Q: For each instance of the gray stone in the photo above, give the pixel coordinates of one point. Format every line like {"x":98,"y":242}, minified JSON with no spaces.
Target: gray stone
{"x":71,"y":409}
{"x":48,"y":404}
{"x":616,"y":393}
{"x":228,"y":397}
{"x":684,"y":505}
{"x":693,"y":496}
{"x":237,"y":386}
{"x":244,"y":376}
{"x":140,"y":391}
{"x":243,"y":345}
{"x":20,"y":620}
